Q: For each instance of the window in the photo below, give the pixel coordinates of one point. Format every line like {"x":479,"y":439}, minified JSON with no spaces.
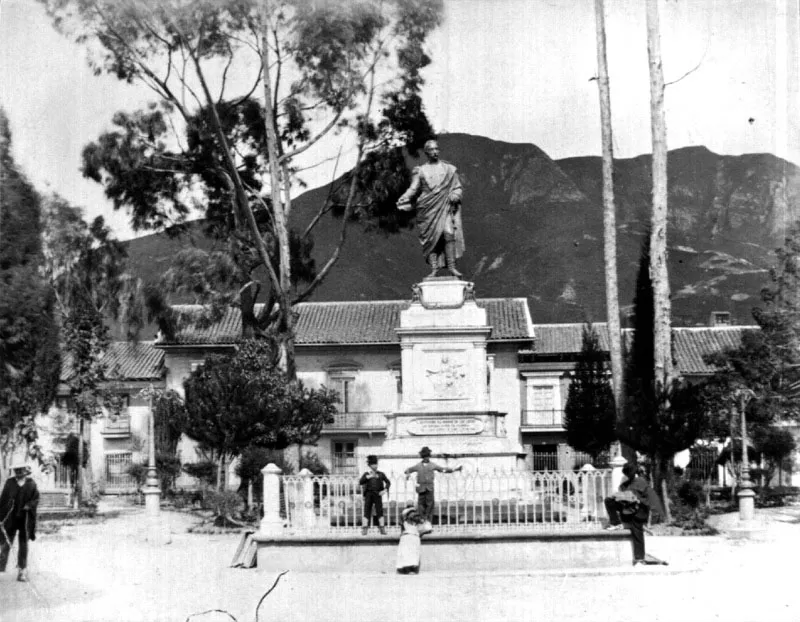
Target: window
{"x":543,"y":397}
{"x":543,"y":406}
{"x":342,"y":378}
{"x":64,"y":402}
{"x":344,"y":457}
{"x":194,"y":365}
{"x":117,"y":467}
{"x":720,"y":318}
{"x":396,"y":370}
{"x":344,"y":386}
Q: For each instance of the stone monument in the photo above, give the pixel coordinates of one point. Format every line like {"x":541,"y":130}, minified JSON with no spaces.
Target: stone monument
{"x":445,"y":375}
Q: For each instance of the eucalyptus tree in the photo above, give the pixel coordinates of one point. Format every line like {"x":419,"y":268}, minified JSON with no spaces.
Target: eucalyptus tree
{"x":609,"y":214}
{"x":246,"y":92}
{"x":30,"y":360}
{"x":664,"y":372}
{"x":86,"y":270}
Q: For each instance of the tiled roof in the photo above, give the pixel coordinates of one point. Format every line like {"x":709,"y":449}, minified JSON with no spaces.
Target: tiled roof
{"x":126,"y":361}
{"x":352,"y":323}
{"x":565,"y":338}
{"x":690,"y":344}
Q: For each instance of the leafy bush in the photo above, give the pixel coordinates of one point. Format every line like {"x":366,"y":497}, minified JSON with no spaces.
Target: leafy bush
{"x":691,"y":494}
{"x":205,"y":471}
{"x":167,"y":466}
{"x":311,"y":461}
{"x":225,"y":504}
{"x":253,"y":459}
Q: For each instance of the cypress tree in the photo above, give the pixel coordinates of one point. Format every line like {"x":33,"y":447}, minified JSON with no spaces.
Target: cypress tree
{"x":590,"y":414}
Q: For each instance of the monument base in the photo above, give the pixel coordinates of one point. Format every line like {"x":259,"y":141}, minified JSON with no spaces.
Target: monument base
{"x":474,"y":454}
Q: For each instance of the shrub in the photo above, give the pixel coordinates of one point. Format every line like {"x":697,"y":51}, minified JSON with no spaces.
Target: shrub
{"x":311,"y":461}
{"x":167,"y":466}
{"x":253,"y":459}
{"x":205,"y":471}
{"x":226,"y":504}
{"x":691,"y":494}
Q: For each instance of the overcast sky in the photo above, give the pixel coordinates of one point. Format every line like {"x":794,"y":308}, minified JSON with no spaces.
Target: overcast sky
{"x":512,"y":70}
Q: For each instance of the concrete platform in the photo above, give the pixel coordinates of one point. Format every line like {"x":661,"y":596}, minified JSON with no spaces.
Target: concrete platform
{"x":447,"y":552}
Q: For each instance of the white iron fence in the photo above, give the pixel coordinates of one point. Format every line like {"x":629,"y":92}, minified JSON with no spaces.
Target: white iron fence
{"x":474,"y":502}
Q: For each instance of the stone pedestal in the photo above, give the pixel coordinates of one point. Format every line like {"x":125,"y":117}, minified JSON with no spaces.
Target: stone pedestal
{"x":445,"y":373}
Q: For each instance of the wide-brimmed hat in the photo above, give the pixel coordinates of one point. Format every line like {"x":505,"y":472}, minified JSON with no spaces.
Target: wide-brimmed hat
{"x":425,"y":452}
{"x":21,"y":466}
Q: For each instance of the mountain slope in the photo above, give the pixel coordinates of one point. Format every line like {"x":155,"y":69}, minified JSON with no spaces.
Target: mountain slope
{"x":533,"y":227}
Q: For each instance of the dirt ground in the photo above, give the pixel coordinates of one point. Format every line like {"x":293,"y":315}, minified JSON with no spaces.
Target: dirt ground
{"x":122,"y":569}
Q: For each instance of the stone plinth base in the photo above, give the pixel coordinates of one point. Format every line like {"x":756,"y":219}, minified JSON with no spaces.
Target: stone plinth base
{"x":489,"y":454}
{"x":447,"y":552}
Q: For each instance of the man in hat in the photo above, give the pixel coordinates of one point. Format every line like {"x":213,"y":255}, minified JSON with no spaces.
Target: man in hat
{"x":426,"y":471}
{"x":630,"y":508}
{"x":18,"y":503}
{"x":373,"y":483}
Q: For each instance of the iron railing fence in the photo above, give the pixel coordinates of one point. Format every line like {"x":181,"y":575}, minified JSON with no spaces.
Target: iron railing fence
{"x":480,"y":502}
{"x":538,"y":418}
{"x":117,"y":476}
{"x":368,"y":420}
{"x":702,"y":465}
{"x":553,"y":461}
{"x":63,"y":476}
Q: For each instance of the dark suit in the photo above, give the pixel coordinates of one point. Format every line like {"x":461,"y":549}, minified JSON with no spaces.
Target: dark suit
{"x":648,"y":501}
{"x":18,"y":505}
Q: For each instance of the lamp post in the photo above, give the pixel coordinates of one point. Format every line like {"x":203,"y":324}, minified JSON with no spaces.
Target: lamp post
{"x":152,"y":491}
{"x":746,"y":494}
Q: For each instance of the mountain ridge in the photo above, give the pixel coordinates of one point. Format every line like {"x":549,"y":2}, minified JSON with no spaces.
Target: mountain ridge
{"x":533,"y":228}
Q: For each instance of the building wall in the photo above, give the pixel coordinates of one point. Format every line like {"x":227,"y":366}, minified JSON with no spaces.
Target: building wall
{"x":375,"y":387}
{"x":505,"y":394}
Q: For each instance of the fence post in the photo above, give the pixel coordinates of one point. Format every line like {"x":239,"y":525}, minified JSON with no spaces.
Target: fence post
{"x":617,"y":462}
{"x":586,"y":471}
{"x":307,"y":516}
{"x":271,"y":524}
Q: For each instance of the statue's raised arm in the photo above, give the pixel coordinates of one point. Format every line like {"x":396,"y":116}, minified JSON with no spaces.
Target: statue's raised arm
{"x":436,"y":190}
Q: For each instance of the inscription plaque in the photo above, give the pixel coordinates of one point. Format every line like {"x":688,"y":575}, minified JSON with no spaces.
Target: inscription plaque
{"x":437,"y":426}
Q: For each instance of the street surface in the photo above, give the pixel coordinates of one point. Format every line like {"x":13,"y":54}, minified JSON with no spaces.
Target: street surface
{"x":121,"y":570}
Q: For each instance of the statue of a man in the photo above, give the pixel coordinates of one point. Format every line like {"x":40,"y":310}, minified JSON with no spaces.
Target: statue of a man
{"x":437,"y":190}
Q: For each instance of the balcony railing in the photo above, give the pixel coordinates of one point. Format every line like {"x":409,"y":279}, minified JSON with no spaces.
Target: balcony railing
{"x":121,"y":426}
{"x":543,"y":418}
{"x":373,"y":420}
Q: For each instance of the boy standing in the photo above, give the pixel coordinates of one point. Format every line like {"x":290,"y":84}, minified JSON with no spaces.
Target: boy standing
{"x":373,"y":483}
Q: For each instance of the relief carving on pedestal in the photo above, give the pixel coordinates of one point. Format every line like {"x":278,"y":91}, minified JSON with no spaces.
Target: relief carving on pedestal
{"x":449,"y":378}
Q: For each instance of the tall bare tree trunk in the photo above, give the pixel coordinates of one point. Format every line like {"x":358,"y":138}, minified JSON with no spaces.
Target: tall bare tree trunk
{"x":79,"y":470}
{"x":658,"y":234}
{"x":662,"y":311}
{"x":609,"y":213}
{"x":278,"y":209}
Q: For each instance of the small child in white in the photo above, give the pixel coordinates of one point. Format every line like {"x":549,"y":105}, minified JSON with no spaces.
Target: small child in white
{"x":408,"y":551}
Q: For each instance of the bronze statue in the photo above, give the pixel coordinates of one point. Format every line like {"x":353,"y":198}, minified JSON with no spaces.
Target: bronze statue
{"x":436,"y":188}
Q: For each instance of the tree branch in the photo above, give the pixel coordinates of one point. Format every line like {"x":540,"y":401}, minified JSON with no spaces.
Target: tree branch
{"x":350,"y":196}
{"x":326,"y":207}
{"x":236,"y":180}
{"x":693,"y":69}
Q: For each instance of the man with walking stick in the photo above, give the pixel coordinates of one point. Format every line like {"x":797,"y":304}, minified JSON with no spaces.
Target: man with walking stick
{"x":18,"y":503}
